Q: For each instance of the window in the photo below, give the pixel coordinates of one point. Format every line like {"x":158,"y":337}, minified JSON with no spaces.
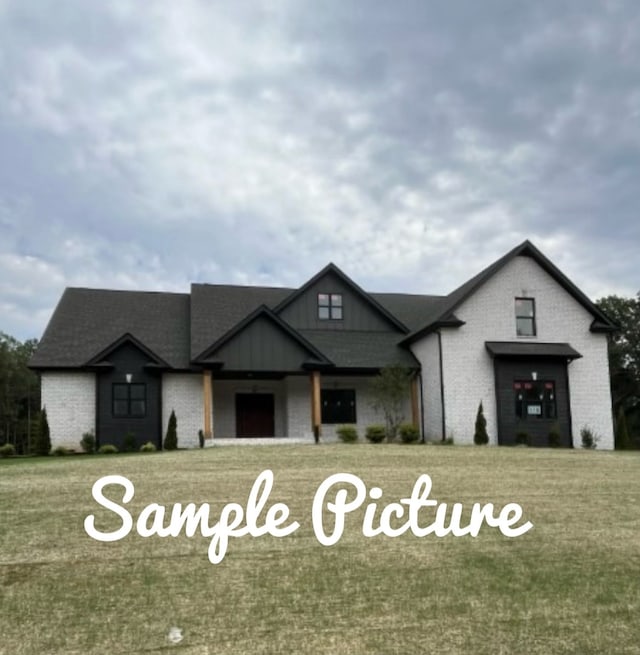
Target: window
{"x":525,"y":317}
{"x":535,"y":400}
{"x":330,"y":306}
{"x":338,"y":406}
{"x":129,"y":400}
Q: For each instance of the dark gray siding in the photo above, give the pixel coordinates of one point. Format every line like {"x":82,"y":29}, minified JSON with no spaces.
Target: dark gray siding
{"x":302,"y":313}
{"x":262,"y":346}
{"x":507,"y":372}
{"x":128,"y":359}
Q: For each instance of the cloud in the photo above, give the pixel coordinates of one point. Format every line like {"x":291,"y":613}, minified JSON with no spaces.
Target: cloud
{"x":149,"y":146}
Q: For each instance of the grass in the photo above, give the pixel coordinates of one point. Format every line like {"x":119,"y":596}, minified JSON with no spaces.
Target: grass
{"x":570,"y":585}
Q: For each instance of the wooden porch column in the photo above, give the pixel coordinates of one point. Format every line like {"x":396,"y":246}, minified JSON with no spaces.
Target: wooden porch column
{"x":316,"y":415}
{"x":207,"y":398}
{"x":415,"y":405}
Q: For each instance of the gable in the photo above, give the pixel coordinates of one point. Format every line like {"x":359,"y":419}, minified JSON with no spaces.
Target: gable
{"x":263,"y":343}
{"x":359,"y":310}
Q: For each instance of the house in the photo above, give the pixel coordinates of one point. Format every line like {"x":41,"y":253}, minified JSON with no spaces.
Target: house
{"x":242,"y":362}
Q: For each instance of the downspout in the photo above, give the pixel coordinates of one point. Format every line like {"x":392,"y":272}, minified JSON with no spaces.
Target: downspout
{"x":421,"y":405}
{"x":444,"y":423}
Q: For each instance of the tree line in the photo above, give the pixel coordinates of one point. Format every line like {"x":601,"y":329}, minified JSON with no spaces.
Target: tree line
{"x":20,"y":386}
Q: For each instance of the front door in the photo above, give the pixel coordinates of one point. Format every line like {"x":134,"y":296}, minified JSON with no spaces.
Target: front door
{"x":533,"y":402}
{"x":255,"y":415}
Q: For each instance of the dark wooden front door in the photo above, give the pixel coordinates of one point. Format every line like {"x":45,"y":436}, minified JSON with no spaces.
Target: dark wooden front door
{"x":255,"y":415}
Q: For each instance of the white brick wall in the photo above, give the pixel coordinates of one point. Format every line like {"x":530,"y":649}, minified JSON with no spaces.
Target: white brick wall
{"x":182,"y":392}
{"x":298,"y":407}
{"x":489,"y":316}
{"x":426,"y":352}
{"x":70,"y":399}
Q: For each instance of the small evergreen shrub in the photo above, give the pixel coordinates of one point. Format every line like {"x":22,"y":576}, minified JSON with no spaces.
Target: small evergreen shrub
{"x":589,"y":438}
{"x":347,"y":434}
{"x":522,"y":438}
{"x":129,"y":442}
{"x":554,"y":438}
{"x":7,"y":450}
{"x":201,"y":438}
{"x":42,"y":445}
{"x":375,"y":433}
{"x":88,"y":442}
{"x":59,"y":451}
{"x":480,"y":436}
{"x":171,"y":438}
{"x":148,"y":447}
{"x":409,"y":433}
{"x":107,"y":449}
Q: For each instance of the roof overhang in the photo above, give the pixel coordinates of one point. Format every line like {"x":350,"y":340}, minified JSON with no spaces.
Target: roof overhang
{"x":513,"y":349}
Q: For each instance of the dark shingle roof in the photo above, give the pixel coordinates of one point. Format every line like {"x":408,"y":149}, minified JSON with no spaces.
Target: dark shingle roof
{"x":86,"y":321}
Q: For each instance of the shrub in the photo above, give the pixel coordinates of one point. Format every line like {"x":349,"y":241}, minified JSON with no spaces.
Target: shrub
{"x":171,"y":438}
{"x":480,"y":436}
{"x":522,"y":438}
{"x":148,"y":447}
{"x":107,"y":449}
{"x":88,"y":442}
{"x":59,"y":451}
{"x":389,"y":392}
{"x":589,"y":438}
{"x":409,"y":433}
{"x":8,"y":450}
{"x":42,"y":445}
{"x":347,"y":433}
{"x":554,"y":438}
{"x":129,"y":442}
{"x":375,"y":433}
{"x":201,"y":438}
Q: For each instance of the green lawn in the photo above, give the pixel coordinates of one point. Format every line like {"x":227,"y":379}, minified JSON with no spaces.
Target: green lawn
{"x":570,"y":585}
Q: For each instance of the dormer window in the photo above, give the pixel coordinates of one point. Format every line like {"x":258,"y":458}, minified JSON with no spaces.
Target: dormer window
{"x":330,"y":306}
{"x":525,"y":317}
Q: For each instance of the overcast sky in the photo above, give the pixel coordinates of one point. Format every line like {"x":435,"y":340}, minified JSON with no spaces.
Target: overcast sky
{"x":147,"y":145}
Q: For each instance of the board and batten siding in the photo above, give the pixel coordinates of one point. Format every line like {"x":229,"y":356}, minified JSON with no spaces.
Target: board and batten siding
{"x":489,"y":316}
{"x":302,"y":313}
{"x":70,"y":400}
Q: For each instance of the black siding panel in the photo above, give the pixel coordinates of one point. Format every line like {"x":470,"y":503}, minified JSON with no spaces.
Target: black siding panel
{"x":110,"y":429}
{"x":509,"y":370}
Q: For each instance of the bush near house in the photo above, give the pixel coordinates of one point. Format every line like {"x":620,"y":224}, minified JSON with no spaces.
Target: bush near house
{"x":171,"y":438}
{"x":107,"y":449}
{"x":522,"y":438}
{"x":88,"y":442}
{"x":7,"y":450}
{"x":148,"y":447}
{"x":42,"y":445}
{"x":409,"y":433}
{"x":129,"y":442}
{"x":480,"y":436}
{"x":347,"y":433}
{"x":554,"y":439}
{"x":376,"y":433}
{"x":589,"y":438}
{"x":60,"y":451}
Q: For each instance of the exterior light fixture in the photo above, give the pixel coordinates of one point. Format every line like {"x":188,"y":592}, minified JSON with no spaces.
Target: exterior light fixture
{"x":128,"y":377}
{"x":534,"y":375}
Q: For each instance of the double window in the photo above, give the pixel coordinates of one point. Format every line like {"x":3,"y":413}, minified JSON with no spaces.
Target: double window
{"x":330,"y":306}
{"x":129,"y":400}
{"x":535,"y":400}
{"x":338,"y":406}
{"x":525,"y":317}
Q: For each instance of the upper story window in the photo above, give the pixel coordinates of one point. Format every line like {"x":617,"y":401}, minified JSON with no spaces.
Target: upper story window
{"x":525,"y":317}
{"x":129,"y":400}
{"x":330,"y":306}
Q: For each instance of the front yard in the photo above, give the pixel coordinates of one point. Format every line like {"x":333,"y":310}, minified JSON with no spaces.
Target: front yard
{"x":569,"y":585}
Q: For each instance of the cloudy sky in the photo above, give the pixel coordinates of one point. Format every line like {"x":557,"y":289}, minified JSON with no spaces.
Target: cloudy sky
{"x":146,"y":145}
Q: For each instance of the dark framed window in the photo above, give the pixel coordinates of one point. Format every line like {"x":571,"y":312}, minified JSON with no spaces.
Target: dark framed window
{"x":330,"y":306}
{"x":338,"y":406}
{"x":525,"y":317}
{"x":535,"y":399}
{"x":129,"y":400}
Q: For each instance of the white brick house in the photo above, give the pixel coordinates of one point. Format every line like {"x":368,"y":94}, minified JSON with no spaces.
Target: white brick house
{"x":254,"y":361}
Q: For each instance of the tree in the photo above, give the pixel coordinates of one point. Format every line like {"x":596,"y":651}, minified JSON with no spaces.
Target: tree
{"x":480,"y":436}
{"x":624,"y":358}
{"x":171,"y":438}
{"x":42,"y":445}
{"x":623,"y":442}
{"x":390,"y":391}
